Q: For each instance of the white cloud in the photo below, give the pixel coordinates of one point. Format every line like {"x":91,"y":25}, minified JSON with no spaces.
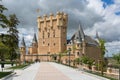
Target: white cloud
{"x":112,"y":48}
{"x":91,"y":13}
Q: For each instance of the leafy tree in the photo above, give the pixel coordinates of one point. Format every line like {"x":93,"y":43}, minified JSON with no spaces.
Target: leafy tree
{"x":77,"y":60}
{"x":117,"y":57}
{"x":103,"y":50}
{"x":13,"y":38}
{"x":3,"y":18}
{"x":87,"y":60}
{"x":3,"y":50}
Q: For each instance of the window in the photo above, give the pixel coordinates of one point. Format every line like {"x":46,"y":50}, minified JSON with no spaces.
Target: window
{"x":43,"y":42}
{"x":48,"y":44}
{"x":54,"y":44}
{"x":78,"y":53}
{"x":48,"y":35}
{"x":54,"y":33}
{"x":77,"y":45}
{"x":43,"y":34}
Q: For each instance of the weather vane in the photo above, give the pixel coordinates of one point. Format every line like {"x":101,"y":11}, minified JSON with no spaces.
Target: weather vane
{"x":38,"y":11}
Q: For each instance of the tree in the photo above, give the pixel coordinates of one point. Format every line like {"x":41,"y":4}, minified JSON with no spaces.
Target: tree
{"x":103,"y":50}
{"x":13,"y":36}
{"x":117,"y":57}
{"x":3,"y":50}
{"x":87,"y":60}
{"x":3,"y":18}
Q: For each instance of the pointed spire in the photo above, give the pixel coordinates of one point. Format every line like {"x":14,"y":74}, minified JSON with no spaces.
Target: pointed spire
{"x":97,"y":35}
{"x":23,"y":43}
{"x":81,"y":32}
{"x":78,"y":37}
{"x":34,"y":39}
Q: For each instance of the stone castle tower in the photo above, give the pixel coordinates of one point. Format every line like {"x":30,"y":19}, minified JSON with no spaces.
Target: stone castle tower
{"x":52,"y":33}
{"x":23,"y":50}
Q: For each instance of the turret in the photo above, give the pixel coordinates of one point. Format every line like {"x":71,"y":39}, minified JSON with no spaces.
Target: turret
{"x":23,"y":50}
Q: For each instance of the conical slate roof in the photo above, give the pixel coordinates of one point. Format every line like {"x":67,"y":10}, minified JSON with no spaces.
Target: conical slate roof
{"x":81,"y":32}
{"x":79,"y":35}
{"x":23,"y":43}
{"x":34,"y":39}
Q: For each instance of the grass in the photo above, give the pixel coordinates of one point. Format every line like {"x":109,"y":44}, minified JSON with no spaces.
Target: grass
{"x":19,"y":67}
{"x":3,"y":74}
{"x":7,"y":62}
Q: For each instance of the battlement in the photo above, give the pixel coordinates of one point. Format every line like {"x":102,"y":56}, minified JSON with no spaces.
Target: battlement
{"x":59,"y":15}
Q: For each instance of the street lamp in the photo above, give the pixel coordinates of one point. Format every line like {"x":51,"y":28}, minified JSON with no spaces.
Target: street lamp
{"x":48,"y":55}
{"x":69,"y":50}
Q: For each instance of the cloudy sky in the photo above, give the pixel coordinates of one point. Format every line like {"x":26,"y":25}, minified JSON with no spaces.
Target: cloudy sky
{"x":102,"y":16}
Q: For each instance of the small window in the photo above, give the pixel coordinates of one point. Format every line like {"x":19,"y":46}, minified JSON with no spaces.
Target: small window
{"x":77,"y":45}
{"x":48,"y":35}
{"x":78,"y":53}
{"x":54,"y":35}
{"x":48,"y":44}
{"x":43,"y":42}
{"x":54,"y":44}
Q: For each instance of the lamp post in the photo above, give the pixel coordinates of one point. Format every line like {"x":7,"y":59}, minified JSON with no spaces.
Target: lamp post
{"x":119,"y":73}
{"x":48,"y":55}
{"x":69,"y":55}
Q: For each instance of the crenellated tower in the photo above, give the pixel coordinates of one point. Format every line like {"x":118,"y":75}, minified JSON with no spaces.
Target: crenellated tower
{"x":52,"y":33}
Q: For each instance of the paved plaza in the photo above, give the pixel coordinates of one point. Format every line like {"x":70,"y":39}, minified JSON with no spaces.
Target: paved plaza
{"x":52,"y":71}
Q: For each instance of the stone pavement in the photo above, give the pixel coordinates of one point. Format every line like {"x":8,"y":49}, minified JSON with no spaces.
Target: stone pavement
{"x":54,"y":71}
{"x":48,"y":72}
{"x":26,"y":74}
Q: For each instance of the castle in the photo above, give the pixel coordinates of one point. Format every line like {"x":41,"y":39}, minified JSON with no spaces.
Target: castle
{"x":52,"y":42}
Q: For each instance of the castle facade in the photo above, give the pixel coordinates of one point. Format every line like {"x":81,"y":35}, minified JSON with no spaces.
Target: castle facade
{"x":52,"y":42}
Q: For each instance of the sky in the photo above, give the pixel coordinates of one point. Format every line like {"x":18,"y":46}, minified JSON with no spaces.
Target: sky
{"x":102,"y":16}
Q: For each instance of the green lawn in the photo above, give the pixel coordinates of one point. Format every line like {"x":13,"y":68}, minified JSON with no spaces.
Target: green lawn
{"x":7,"y":62}
{"x":19,"y":67}
{"x":2,"y":74}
